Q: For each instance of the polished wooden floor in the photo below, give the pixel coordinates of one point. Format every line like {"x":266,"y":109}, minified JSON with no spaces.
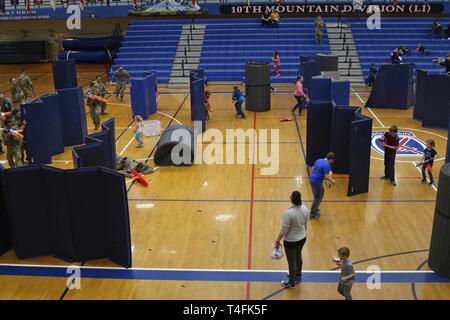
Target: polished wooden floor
{"x":227,"y":216}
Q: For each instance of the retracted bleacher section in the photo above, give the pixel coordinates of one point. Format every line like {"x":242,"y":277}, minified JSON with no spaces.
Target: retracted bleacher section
{"x":375,"y":46}
{"x":230,"y":43}
{"x":149,"y":45}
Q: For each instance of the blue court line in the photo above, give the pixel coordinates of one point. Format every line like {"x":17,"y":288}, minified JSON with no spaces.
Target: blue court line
{"x":214,"y":275}
{"x":281,"y":201}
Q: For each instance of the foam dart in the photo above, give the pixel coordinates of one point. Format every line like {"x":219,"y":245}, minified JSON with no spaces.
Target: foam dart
{"x":137,"y":176}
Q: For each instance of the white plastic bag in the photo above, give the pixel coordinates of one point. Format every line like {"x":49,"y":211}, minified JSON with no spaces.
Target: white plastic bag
{"x":277,"y":251}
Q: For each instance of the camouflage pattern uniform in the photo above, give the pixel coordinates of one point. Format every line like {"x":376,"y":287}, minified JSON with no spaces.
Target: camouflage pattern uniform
{"x":318,"y":27}
{"x":53,"y":46}
{"x":26,"y":86}
{"x":94,"y":106}
{"x":126,"y":164}
{"x":16,"y":93}
{"x":13,"y":146}
{"x":121,"y":76}
{"x":100,"y":90}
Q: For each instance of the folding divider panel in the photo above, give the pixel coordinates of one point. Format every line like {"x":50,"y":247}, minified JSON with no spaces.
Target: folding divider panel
{"x":420,"y":98}
{"x":110,"y":125}
{"x":437,"y":102}
{"x":90,"y":154}
{"x":318,"y":130}
{"x":51,"y":118}
{"x":340,"y":92}
{"x":5,"y":234}
{"x":360,"y":148}
{"x":65,"y":74}
{"x":320,"y":89}
{"x":73,"y":115}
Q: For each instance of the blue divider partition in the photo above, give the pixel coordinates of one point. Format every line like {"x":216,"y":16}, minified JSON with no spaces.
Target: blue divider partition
{"x":320,"y":89}
{"x":437,"y":102}
{"x":51,"y":117}
{"x":318,"y":130}
{"x":197,"y":90}
{"x":99,"y":149}
{"x":5,"y":236}
{"x":393,"y":87}
{"x":65,"y":74}
{"x":308,"y":70}
{"x":340,"y":92}
{"x":76,"y":215}
{"x":340,"y":137}
{"x":73,"y":115}
{"x":360,"y":149}
{"x":447,"y":156}
{"x":420,"y":98}
{"x":143,"y":95}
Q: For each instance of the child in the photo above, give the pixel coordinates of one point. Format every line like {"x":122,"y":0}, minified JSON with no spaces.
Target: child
{"x":208,"y":107}
{"x":138,"y":131}
{"x":429,"y":154}
{"x":276,"y":63}
{"x":238,"y":98}
{"x":347,"y":273}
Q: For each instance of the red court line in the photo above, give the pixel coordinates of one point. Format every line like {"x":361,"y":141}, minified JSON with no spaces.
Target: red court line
{"x":252,"y":195}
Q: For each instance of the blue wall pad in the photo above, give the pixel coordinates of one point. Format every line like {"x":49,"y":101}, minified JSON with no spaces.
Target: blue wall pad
{"x":393,"y":87}
{"x":340,"y":92}
{"x":420,"y":97}
{"x":73,"y":115}
{"x":447,"y":157}
{"x":91,"y":43}
{"x":64,"y":74}
{"x":143,"y":95}
{"x":318,"y":130}
{"x":308,"y":70}
{"x":76,"y":215}
{"x":437,"y":102}
{"x":91,"y":56}
{"x":110,"y":126}
{"x":360,"y":149}
{"x":36,"y":131}
{"x":340,"y":137}
{"x":320,"y":89}
{"x":89,"y":155}
{"x":198,"y":100}
{"x":53,"y":135}
{"x":5,"y":236}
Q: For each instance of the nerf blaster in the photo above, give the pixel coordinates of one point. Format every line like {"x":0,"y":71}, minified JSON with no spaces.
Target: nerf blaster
{"x":16,"y":133}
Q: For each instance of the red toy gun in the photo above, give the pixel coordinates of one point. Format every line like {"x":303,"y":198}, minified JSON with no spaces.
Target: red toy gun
{"x":137,"y":176}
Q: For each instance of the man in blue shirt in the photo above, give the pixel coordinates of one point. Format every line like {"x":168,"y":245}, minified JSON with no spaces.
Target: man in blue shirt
{"x":319,"y":172}
{"x":238,"y":98}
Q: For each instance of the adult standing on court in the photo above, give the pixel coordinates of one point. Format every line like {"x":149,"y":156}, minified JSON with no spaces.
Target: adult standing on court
{"x":299,"y":95}
{"x":319,"y":172}
{"x":318,"y":28}
{"x":293,"y":231}
{"x":26,"y":86}
{"x":101,"y":91}
{"x":122,"y":78}
{"x":390,"y":144}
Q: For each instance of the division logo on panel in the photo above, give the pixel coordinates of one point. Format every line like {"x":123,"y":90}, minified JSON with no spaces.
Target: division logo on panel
{"x":409,"y":145}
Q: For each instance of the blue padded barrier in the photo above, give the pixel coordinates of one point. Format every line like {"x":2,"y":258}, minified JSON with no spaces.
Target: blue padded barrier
{"x":318,"y":130}
{"x":5,"y":236}
{"x":143,"y":95}
{"x":320,"y":89}
{"x":437,"y":102}
{"x":36,"y":128}
{"x":340,"y":137}
{"x":308,"y":70}
{"x":91,"y":43}
{"x":51,"y":117}
{"x":360,"y":149}
{"x":117,"y":218}
{"x":393,"y":87}
{"x":26,"y":207}
{"x":421,"y":88}
{"x":340,"y":92}
{"x":447,"y":155}
{"x":110,"y":126}
{"x":73,"y":115}
{"x":57,"y":212}
{"x":89,"y":154}
{"x":197,"y":90}
{"x":64,"y":74}
{"x":92,"y":56}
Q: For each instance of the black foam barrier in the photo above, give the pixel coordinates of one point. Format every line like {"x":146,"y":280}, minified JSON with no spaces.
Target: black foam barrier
{"x":340,"y":136}
{"x":318,"y":130}
{"x":5,"y":236}
{"x":437,"y":102}
{"x":257,"y":86}
{"x":143,"y":95}
{"x":65,"y":74}
{"x":180,"y":137}
{"x":360,"y":149}
{"x":308,"y":70}
{"x":73,"y":115}
{"x":99,"y":148}
{"x":76,"y":215}
{"x":439,"y":254}
{"x":393,"y":87}
{"x":420,"y":92}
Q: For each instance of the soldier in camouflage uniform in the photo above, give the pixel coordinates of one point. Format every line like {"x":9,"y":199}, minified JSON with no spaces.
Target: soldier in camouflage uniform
{"x":126,"y":164}
{"x":94,"y":105}
{"x":16,"y":91}
{"x":13,"y":142}
{"x":26,"y":86}
{"x":318,"y":27}
{"x":122,"y":78}
{"x":101,"y":91}
{"x":54,"y":46}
